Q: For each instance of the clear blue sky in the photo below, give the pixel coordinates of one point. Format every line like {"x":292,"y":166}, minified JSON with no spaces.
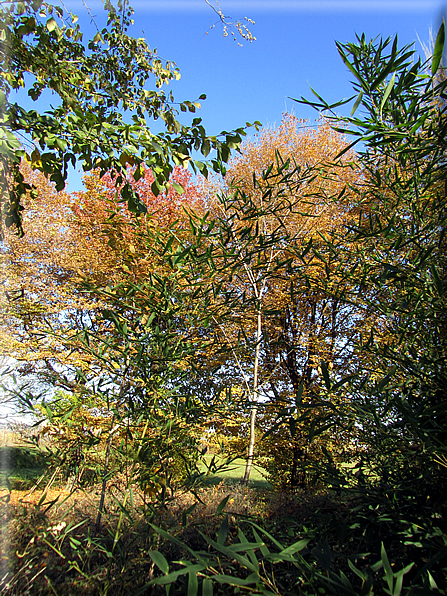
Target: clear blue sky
{"x":294,"y":48}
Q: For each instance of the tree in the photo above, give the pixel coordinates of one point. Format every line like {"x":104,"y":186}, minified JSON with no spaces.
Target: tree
{"x":102,"y":118}
{"x":399,"y":245}
{"x":72,"y":237}
{"x":268,"y":212}
{"x":115,"y":330}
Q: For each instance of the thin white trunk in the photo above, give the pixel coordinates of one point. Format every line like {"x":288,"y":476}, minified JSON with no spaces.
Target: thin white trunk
{"x":104,"y":478}
{"x":255,"y":396}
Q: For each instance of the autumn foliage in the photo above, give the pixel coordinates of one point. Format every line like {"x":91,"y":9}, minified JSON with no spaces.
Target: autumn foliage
{"x":70,"y":238}
{"x":281,"y":197}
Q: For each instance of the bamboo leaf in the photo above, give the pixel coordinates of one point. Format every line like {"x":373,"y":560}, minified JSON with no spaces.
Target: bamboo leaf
{"x":253,"y":578}
{"x":388,"y":90}
{"x":389,"y":575}
{"x":357,"y":103}
{"x":325,"y":374}
{"x":296,"y":547}
{"x":221,"y":507}
{"x":223,"y":530}
{"x":207,"y":587}
{"x":159,"y":560}
{"x":249,"y":547}
{"x":438,"y":49}
{"x":193,"y":583}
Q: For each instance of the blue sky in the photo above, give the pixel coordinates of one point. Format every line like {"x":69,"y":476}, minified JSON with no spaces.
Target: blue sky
{"x":294,"y":48}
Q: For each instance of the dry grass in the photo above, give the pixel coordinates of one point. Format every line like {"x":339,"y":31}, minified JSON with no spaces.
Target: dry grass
{"x":29,"y":545}
{"x":37,"y":561}
{"x":38,"y":557}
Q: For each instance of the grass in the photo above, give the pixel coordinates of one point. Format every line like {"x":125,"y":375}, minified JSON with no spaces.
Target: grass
{"x":53,"y":546}
{"x":233,"y":473}
{"x":20,"y":467}
{"x":50,"y":543}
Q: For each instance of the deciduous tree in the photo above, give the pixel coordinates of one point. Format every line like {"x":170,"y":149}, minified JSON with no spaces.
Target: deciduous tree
{"x":271,"y":209}
{"x":105,"y":105}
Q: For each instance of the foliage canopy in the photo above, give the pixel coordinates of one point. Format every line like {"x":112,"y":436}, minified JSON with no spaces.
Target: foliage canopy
{"x":105,"y":105}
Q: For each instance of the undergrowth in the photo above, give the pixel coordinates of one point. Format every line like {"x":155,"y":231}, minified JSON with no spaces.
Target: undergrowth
{"x":220,"y":540}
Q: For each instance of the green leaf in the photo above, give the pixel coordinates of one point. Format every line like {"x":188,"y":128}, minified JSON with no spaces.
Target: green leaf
{"x":359,"y":573}
{"x":171,"y":577}
{"x":207,"y":587}
{"x":438,"y":49}
{"x":223,"y":531}
{"x":193,"y":584}
{"x":299,"y":394}
{"x":400,"y":578}
{"x":155,"y":188}
{"x":294,"y":548}
{"x":158,"y":148}
{"x":221,"y":505}
{"x":201,"y":167}
{"x":159,"y":560}
{"x":139,"y":172}
{"x":357,"y":103}
{"x":388,"y":90}
{"x":178,"y":187}
{"x":350,"y":66}
{"x":51,"y":24}
{"x":438,"y":280}
{"x":431,"y":581}
{"x":367,"y":587}
{"x":342,"y":382}
{"x":390,"y":64}
{"x":325,"y":373}
{"x":231,"y":553}
{"x":187,"y":512}
{"x":253,"y":578}
{"x":389,"y":575}
{"x":292,"y":426}
{"x":345,"y":581}
{"x":248,"y":547}
{"x":269,"y":536}
{"x":263,"y":548}
{"x":384,"y":382}
{"x":206,"y":147}
{"x":178,"y":543}
{"x":419,"y":123}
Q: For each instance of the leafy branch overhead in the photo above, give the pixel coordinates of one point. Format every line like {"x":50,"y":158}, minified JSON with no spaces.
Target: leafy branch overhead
{"x":105,"y":104}
{"x":394,"y":96}
{"x":229,"y":27}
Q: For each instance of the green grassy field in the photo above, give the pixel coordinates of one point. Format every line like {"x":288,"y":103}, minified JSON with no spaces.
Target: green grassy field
{"x":233,"y":473}
{"x":20,"y":467}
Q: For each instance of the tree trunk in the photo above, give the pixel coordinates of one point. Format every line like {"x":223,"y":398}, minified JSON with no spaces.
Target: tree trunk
{"x":255,"y":396}
{"x":298,"y":472}
{"x":104,"y":479}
